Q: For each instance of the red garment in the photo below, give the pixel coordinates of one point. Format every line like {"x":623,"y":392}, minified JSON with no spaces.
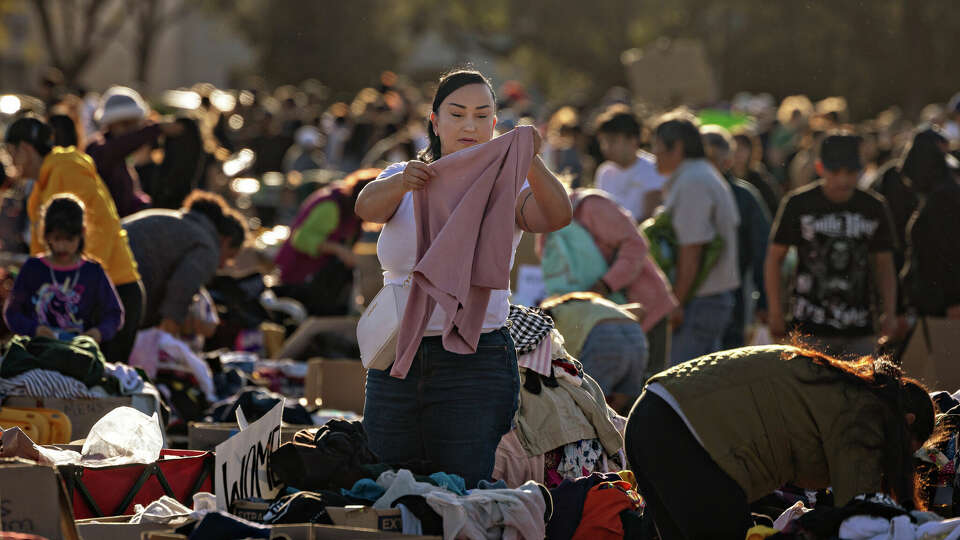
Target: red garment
{"x":601,"y":511}
{"x":465,"y":225}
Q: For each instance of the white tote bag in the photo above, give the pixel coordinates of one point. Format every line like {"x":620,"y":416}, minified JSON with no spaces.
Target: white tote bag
{"x":378,"y":326}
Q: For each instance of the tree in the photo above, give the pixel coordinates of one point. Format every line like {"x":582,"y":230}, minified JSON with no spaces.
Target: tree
{"x":153,"y":17}
{"x":344,"y":42}
{"x":76,"y":31}
{"x":875,"y":53}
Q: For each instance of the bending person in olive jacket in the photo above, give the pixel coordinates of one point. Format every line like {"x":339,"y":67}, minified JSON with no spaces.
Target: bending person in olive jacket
{"x":747,"y":421}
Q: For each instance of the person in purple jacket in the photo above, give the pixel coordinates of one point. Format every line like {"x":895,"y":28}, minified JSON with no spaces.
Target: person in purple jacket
{"x":62,"y":294}
{"x":121,"y":117}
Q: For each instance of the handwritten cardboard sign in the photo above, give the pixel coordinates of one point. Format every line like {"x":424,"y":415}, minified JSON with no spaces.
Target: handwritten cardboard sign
{"x":243,"y":461}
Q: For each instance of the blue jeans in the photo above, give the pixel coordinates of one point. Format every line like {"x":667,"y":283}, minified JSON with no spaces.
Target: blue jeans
{"x":451,"y":410}
{"x":615,"y":354}
{"x":705,"y":318}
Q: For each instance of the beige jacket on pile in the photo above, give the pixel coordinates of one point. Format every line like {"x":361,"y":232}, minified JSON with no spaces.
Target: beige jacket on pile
{"x":559,"y":416}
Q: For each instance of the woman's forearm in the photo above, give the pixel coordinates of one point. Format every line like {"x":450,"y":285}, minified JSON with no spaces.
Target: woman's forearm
{"x":379,"y":199}
{"x":548,"y":209}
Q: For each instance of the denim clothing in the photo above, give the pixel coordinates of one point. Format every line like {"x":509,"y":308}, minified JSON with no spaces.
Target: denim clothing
{"x":736,"y":333}
{"x":705,"y":319}
{"x":616,"y":355}
{"x":658,"y":340}
{"x":451,"y":409}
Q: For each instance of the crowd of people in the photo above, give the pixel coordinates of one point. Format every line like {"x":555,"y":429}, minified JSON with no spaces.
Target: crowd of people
{"x":667,"y":241}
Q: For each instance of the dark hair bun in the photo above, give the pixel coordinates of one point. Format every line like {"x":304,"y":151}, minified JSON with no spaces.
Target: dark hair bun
{"x":228,"y":222}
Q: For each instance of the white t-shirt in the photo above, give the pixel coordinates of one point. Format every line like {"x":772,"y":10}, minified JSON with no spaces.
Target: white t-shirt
{"x":629,"y":186}
{"x":397,"y":252}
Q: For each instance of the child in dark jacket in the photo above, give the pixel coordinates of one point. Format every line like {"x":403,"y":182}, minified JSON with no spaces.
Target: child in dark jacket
{"x":62,"y":294}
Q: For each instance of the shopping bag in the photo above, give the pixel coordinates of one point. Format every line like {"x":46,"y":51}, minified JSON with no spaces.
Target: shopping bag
{"x":113,"y":491}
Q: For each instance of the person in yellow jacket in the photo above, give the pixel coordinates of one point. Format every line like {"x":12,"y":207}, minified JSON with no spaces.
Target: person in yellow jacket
{"x":710,"y":436}
{"x":56,"y":170}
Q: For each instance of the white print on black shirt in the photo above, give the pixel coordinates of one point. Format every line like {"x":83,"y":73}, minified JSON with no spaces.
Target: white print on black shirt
{"x":833,"y":275}
{"x":840,"y":224}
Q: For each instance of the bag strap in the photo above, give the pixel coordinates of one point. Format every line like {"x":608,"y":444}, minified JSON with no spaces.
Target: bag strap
{"x":204,"y":474}
{"x":73,"y":478}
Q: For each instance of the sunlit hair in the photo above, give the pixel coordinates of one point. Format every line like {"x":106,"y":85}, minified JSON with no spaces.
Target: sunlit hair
{"x":901,"y":395}
{"x":229,"y":223}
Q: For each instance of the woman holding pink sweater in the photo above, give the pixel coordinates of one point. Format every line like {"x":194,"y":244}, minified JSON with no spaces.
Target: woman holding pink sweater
{"x":451,"y":409}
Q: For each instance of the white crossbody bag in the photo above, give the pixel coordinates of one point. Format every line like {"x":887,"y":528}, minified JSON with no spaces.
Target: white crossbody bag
{"x":379,"y":324}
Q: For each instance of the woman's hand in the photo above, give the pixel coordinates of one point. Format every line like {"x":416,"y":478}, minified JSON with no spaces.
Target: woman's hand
{"x":170,"y":326}
{"x":46,"y":331}
{"x":95,"y":334}
{"x":416,"y":175}
{"x":537,"y":141}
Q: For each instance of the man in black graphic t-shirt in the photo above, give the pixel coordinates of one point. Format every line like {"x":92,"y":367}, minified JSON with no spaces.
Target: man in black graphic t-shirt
{"x":844,"y":239}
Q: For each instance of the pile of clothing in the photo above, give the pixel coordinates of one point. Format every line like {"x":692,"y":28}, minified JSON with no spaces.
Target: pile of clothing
{"x":598,"y":506}
{"x":332,"y":466}
{"x":184,"y":378}
{"x":563,"y":428}
{"x":329,"y":457}
{"x":940,"y":463}
{"x":866,"y":517}
{"x":44,"y":367}
{"x":210,"y":386}
{"x":256,"y":402}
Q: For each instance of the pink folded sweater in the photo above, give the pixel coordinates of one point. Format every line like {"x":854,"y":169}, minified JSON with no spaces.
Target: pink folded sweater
{"x":465,"y":224}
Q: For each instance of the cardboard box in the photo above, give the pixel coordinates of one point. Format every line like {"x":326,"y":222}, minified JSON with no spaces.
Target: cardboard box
{"x":85,"y":412}
{"x":120,"y":528}
{"x":207,"y":435}
{"x":365,"y":517}
{"x":250,"y":510}
{"x":340,"y":384}
{"x":33,"y":500}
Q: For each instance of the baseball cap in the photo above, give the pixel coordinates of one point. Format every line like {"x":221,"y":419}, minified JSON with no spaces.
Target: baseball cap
{"x":841,"y":151}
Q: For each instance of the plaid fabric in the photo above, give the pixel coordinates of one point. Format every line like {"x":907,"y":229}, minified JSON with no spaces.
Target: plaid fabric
{"x":528,"y":327}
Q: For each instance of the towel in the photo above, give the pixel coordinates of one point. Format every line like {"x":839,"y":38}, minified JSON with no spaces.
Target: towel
{"x":465,"y":224}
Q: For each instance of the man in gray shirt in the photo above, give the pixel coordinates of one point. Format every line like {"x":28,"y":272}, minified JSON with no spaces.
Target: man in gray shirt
{"x":702,"y":207}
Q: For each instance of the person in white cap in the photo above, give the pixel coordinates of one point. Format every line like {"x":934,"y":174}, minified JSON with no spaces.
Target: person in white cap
{"x":305,"y":154}
{"x":121,"y":117}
